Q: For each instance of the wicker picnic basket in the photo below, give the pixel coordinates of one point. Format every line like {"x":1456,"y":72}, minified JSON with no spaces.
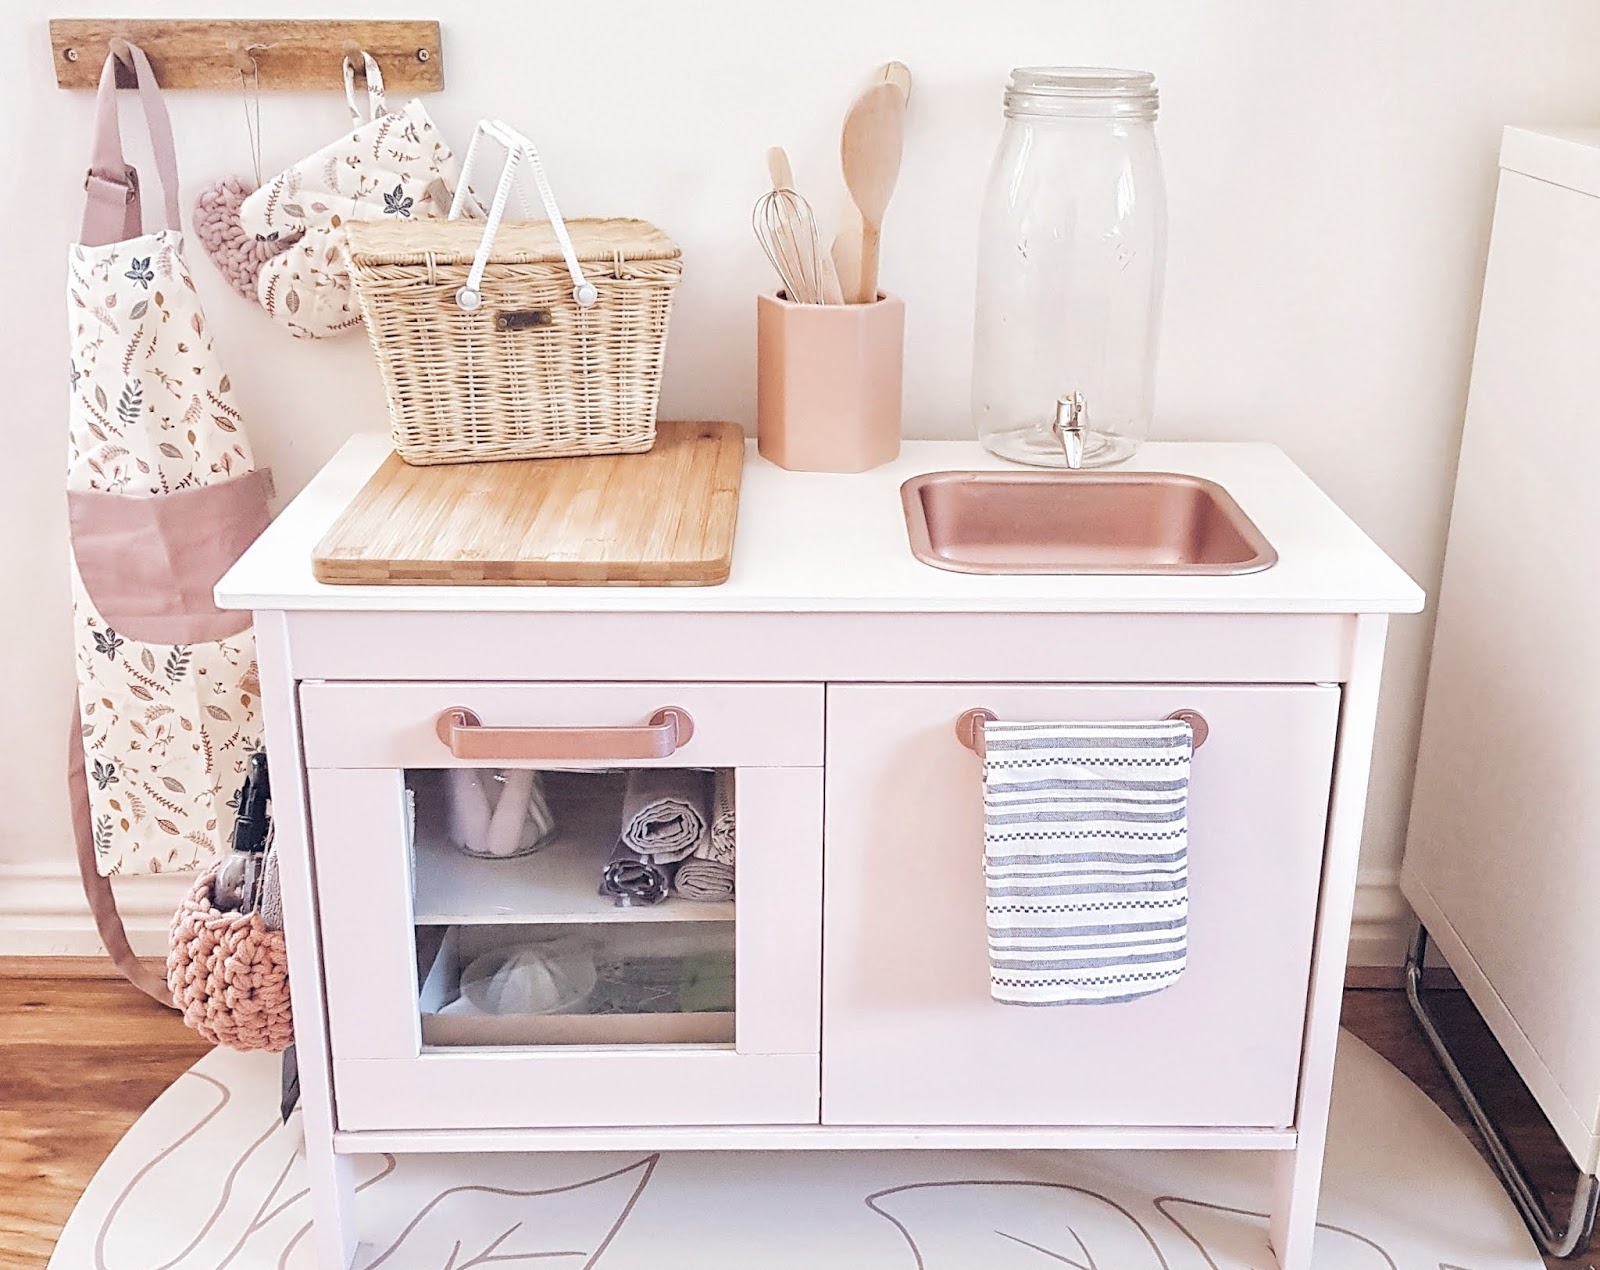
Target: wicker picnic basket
{"x":516,"y":340}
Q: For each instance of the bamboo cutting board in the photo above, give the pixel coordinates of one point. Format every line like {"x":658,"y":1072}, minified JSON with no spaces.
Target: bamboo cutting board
{"x":662,"y":518}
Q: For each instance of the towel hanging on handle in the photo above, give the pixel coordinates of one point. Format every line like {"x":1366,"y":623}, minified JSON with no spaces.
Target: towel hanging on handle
{"x":1086,"y":859}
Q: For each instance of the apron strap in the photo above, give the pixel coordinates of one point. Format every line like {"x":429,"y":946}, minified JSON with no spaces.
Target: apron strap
{"x":112,"y":204}
{"x":97,"y":889}
{"x":374,"y":77}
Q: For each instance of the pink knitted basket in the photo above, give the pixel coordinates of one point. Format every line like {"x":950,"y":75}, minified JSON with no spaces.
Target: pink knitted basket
{"x":229,"y":974}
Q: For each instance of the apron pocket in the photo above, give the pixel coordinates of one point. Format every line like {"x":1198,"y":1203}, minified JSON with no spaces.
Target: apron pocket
{"x":149,"y":563}
{"x":169,"y":703}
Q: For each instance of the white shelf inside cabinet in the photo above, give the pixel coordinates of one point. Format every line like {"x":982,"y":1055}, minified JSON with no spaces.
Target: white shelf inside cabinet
{"x":559,"y":883}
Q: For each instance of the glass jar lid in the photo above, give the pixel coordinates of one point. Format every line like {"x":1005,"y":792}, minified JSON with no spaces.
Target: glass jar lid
{"x":1081,"y":92}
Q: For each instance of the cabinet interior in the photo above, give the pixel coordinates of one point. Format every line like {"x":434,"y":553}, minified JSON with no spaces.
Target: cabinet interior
{"x":527,"y":951}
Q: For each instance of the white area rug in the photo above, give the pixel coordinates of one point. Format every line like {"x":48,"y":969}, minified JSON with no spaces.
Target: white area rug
{"x":208,"y":1180}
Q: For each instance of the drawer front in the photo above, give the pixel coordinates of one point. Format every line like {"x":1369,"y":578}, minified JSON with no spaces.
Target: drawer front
{"x":910,"y":1033}
{"x":395,"y":725}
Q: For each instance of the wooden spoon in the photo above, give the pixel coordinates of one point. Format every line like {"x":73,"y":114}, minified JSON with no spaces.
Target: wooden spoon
{"x":869,"y":152}
{"x":844,"y":257}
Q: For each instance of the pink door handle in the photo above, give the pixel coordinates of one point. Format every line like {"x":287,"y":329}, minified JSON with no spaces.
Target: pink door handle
{"x":464,"y":733}
{"x":969,"y":727}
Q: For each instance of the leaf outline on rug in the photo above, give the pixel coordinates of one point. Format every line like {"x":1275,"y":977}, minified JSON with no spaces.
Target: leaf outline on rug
{"x":171,"y":1149}
{"x":871,"y":1201}
{"x":645,"y":1166}
{"x":1088,"y":1262}
{"x":1161,"y":1203}
{"x":276,"y":1129}
{"x":389,"y":1165}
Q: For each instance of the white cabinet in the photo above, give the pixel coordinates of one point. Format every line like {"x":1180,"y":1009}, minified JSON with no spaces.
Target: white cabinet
{"x":1500,"y":861}
{"x":910,"y":1034}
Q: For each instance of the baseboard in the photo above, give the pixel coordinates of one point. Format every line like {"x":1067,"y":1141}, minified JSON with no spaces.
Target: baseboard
{"x":43,"y":912}
{"x":1383,"y":921}
{"x":76,"y":968}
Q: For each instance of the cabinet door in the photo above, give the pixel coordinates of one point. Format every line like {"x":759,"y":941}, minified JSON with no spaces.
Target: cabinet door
{"x":508,"y":992}
{"x":910,"y":1033}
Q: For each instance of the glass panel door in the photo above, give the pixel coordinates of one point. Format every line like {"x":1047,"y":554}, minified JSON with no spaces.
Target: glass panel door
{"x":561,"y":907}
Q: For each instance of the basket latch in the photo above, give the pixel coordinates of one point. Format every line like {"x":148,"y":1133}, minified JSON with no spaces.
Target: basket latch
{"x":522,"y":319}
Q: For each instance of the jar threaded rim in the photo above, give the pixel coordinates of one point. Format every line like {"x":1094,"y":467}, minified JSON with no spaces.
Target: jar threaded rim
{"x":1081,"y":92}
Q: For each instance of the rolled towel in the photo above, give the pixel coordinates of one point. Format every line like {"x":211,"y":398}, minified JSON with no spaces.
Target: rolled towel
{"x":631,"y":879}
{"x":707,"y":875}
{"x":718,"y":844}
{"x":705,"y":880}
{"x":664,"y":813}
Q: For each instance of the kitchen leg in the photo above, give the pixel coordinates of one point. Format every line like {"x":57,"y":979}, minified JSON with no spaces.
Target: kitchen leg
{"x":330,"y":1177}
{"x":1298,"y":1182}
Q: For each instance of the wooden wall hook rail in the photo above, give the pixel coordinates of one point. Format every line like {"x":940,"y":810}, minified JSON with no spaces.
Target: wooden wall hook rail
{"x":287,"y":55}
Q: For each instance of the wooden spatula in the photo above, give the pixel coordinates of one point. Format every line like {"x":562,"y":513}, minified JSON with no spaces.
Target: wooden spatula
{"x":869,"y":152}
{"x":779,"y":169}
{"x":898,"y":74}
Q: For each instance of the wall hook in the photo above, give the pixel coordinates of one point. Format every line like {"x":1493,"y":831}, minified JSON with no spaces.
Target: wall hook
{"x":244,"y":59}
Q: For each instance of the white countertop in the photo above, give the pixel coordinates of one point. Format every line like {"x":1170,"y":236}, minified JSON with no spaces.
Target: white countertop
{"x":809,"y":542}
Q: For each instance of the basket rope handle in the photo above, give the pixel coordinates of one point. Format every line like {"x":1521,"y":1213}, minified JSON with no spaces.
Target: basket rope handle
{"x":519,"y":151}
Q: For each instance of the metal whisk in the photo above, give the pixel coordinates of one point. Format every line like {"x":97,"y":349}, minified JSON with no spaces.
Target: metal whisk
{"x":787,"y":231}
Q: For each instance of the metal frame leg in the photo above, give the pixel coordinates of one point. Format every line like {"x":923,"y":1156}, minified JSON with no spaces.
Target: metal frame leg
{"x":1563,"y":1242}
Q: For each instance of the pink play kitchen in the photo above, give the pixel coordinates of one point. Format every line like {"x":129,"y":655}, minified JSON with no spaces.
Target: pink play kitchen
{"x":639,"y":787}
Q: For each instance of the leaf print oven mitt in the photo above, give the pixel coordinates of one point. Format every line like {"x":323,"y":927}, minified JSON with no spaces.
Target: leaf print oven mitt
{"x":395,"y":165}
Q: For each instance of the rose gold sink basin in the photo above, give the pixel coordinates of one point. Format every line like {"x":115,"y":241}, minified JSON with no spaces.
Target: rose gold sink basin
{"x":1080,"y":522}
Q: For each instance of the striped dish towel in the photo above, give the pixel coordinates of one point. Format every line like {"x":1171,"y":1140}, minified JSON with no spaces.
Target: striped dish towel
{"x":1086,"y":859}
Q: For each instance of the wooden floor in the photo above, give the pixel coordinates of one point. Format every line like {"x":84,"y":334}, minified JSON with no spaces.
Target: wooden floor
{"x":81,"y":1055}
{"x":80,"y":1059}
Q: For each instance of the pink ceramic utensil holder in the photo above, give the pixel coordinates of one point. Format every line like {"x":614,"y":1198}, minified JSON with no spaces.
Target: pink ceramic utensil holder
{"x":828,"y":380}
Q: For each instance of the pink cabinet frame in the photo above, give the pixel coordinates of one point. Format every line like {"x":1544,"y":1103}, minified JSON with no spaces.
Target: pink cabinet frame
{"x":310,"y":662}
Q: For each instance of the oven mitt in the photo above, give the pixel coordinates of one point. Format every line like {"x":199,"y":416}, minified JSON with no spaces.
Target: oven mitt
{"x":392,"y":165}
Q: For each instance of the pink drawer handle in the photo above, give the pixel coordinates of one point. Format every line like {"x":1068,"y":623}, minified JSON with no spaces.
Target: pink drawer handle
{"x":464,"y":733}
{"x":969,"y":727}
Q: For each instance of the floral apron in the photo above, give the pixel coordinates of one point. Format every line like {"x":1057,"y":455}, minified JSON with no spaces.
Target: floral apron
{"x":163,"y":496}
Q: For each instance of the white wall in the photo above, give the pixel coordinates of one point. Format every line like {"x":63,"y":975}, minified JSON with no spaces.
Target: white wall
{"x":1331,"y":167}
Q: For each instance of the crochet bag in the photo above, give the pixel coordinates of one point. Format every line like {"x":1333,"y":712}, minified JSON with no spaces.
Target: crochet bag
{"x":229,"y":974}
